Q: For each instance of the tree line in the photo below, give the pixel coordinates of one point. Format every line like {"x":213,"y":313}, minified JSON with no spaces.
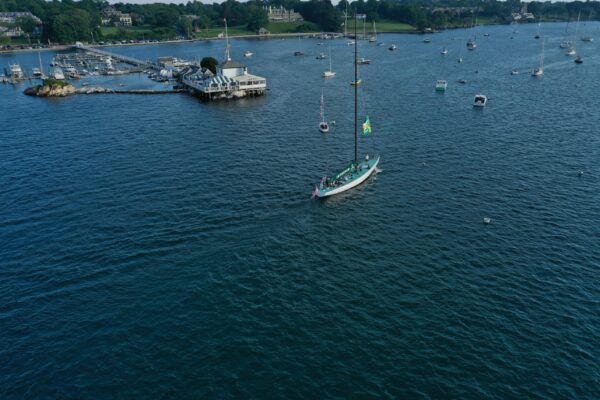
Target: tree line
{"x":67,"y":21}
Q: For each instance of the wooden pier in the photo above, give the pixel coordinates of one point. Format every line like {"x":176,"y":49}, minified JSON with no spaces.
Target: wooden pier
{"x":124,"y":59}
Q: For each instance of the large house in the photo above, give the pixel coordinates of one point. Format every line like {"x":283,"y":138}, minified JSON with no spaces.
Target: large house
{"x":111,"y":16}
{"x":8,"y":20}
{"x":282,"y":15}
{"x":12,"y":17}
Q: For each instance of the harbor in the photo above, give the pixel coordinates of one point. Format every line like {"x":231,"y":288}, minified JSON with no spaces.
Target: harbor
{"x":145,"y":233}
{"x":230,"y":80}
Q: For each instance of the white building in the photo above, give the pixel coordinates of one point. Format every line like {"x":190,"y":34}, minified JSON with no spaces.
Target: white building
{"x":232,"y":80}
{"x":11,"y":17}
{"x":111,"y":14}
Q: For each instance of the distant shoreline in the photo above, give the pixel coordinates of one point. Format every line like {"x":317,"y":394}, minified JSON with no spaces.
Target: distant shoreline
{"x":255,"y":36}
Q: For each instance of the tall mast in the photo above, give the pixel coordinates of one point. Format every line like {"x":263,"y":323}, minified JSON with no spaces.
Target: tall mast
{"x":355,"y":89}
{"x":227,"y":56}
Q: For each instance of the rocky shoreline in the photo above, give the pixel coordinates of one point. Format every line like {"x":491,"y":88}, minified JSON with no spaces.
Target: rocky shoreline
{"x":61,"y":90}
{"x":69,"y":90}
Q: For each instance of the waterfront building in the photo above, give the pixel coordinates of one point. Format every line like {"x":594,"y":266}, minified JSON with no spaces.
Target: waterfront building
{"x":232,"y":80}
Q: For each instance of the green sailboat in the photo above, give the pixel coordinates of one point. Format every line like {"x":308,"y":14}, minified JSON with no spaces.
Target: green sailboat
{"x":357,"y":172}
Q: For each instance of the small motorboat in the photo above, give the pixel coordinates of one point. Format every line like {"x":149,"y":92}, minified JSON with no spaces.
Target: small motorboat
{"x":480,"y":100}
{"x":427,"y":40}
{"x":579,"y":60}
{"x":351,"y":42}
{"x":571,"y":51}
{"x":363,"y":60}
{"x":463,"y":81}
{"x":392,"y":47}
{"x":321,"y":56}
{"x":444,"y":51}
{"x":441,"y":85}
{"x":356,"y":83}
{"x":537,"y":71}
{"x":487,"y":220}
{"x":486,"y":34}
{"x":298,"y":53}
{"x":460,"y":60}
{"x":248,"y":53}
{"x":514,"y":72}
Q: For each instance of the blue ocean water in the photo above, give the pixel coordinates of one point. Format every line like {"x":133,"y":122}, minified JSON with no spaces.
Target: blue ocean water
{"x":162,"y":247}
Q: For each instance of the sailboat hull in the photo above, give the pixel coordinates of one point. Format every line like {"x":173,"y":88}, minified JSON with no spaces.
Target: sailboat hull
{"x":365,"y":170}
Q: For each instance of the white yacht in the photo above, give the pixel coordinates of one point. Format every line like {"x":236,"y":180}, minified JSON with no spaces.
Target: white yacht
{"x":16,"y":72}
{"x":58,"y":74}
{"x":248,"y":53}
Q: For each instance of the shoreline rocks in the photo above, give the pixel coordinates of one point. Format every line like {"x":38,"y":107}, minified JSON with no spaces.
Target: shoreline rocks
{"x":51,"y":90}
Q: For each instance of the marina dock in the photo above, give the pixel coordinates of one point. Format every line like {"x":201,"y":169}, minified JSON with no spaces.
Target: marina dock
{"x":120,"y":58}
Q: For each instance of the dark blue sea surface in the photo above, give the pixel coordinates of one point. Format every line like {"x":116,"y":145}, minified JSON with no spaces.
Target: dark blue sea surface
{"x":163,"y":247}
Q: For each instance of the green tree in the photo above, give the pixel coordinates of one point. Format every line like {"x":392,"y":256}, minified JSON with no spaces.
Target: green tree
{"x":71,"y":26}
{"x":27,"y":24}
{"x":257,"y":18}
{"x":209,"y":63}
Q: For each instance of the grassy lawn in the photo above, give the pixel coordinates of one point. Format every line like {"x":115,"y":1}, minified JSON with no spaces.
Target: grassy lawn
{"x":487,"y":20}
{"x":383,"y":25}
{"x":292,"y":27}
{"x":392,"y":26}
{"x":113,"y":30}
{"x":214,"y":32}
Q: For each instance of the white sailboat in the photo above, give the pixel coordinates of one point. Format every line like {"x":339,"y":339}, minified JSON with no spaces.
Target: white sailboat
{"x":357,"y":172}
{"x":571,"y":51}
{"x":565,"y":43}
{"x":299,"y":52}
{"x":323,"y":125}
{"x":373,"y":38}
{"x":586,"y":37}
{"x":537,"y":34}
{"x":330,"y":73}
{"x":539,"y":70}
{"x":471,"y":44}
